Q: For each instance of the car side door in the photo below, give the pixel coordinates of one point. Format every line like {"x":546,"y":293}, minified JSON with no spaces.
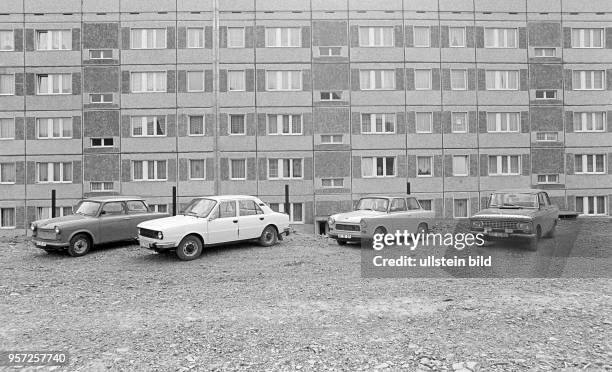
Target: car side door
{"x":223,"y":223}
{"x":114,"y":223}
{"x":137,"y":212}
{"x":251,"y":219}
{"x":546,"y":212}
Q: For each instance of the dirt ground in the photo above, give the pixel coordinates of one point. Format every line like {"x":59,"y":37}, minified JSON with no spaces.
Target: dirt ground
{"x":300,"y":305}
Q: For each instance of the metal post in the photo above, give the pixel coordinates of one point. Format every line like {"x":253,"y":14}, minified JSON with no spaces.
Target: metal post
{"x":408,"y":188}
{"x":174,"y":200}
{"x":287,"y":205}
{"x":53,"y":203}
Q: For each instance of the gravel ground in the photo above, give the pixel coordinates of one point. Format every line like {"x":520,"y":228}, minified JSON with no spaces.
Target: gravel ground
{"x":301,"y":305}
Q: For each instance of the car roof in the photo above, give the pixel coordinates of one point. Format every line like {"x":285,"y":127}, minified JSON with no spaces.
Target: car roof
{"x":518,"y":191}
{"x":115,"y":198}
{"x":387,"y":196}
{"x":225,"y":197}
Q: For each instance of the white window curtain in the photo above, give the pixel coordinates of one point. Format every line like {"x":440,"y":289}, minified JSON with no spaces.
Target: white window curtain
{"x":7,"y":84}
{"x":6,"y":40}
{"x":7,"y":128}
{"x":236,"y":80}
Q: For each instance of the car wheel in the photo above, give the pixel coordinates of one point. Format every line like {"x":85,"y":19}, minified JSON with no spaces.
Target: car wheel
{"x":422,"y":228}
{"x":269,"y":236}
{"x":189,"y":249}
{"x":380,"y":230}
{"x":341,"y":242}
{"x":533,"y":242}
{"x":80,"y":245}
{"x":551,"y":233}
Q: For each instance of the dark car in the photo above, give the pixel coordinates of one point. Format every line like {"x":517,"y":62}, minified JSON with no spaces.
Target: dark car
{"x":95,"y":221}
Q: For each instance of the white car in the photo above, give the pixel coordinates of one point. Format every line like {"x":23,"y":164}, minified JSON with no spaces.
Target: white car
{"x":214,"y":220}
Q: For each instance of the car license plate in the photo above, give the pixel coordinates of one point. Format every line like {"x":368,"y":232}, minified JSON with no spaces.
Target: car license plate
{"x":498,"y":234}
{"x":344,"y":236}
{"x":40,"y":244}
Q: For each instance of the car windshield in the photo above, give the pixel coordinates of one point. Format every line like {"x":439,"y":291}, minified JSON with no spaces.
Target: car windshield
{"x":513,"y":200}
{"x":87,"y":208}
{"x":199,"y":207}
{"x":373,"y":204}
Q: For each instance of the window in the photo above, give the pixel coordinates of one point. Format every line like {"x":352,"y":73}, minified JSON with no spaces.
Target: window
{"x":424,"y":122}
{"x":421,"y":37}
{"x":502,"y":80}
{"x":545,"y":52}
{"x":296,"y":212}
{"x":383,"y":166}
{"x":7,"y":84}
{"x":54,"y":84}
{"x":148,"y":126}
{"x":329,"y":51}
{"x":458,"y":79}
{"x":149,"y":38}
{"x":285,"y":168}
{"x":102,"y":142}
{"x":284,"y":80}
{"x":500,"y":38}
{"x":504,"y":165}
{"x":196,"y":125}
{"x":53,"y":128}
{"x":283,"y":37}
{"x":7,"y":218}
{"x":101,"y":186}
{"x":100,"y":54}
{"x":332,"y":182}
{"x":591,"y":205}
{"x":54,"y":172}
{"x":397,"y":205}
{"x":546,"y":94}
{"x":588,"y":80}
{"x":45,"y":212}
{"x":159,"y":208}
{"x":284,"y":124}
{"x":331,"y":96}
{"x":197,"y":169}
{"x":148,"y":82}
{"x":236,"y":81}
{"x":237,"y":169}
{"x":460,"y":208}
{"x":7,"y":173}
{"x":426,"y":204}
{"x":590,"y":164}
{"x":235,"y":37}
{"x":460,"y":165}
{"x":424,"y":166}
{"x":237,"y":125}
{"x":376,"y":37}
{"x":547,"y":136}
{"x":589,"y":121}
{"x":113,"y":208}
{"x":149,"y":170}
{"x":195,"y":37}
{"x":330,"y":139}
{"x":248,"y":208}
{"x":101,"y":98}
{"x":376,"y":79}
{"x":548,"y":178}
{"x":227,"y":209}
{"x":422,"y":79}
{"x":6,"y":40}
{"x":587,"y":38}
{"x":7,"y":128}
{"x":377,"y":123}
{"x":459,"y":122}
{"x":456,"y":37}
{"x":136,"y":206}
{"x":503,"y":122}
{"x":195,"y":81}
{"x":54,"y":40}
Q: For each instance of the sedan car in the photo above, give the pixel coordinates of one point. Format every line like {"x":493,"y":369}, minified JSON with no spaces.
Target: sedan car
{"x":525,"y":214}
{"x":95,"y":221}
{"x":378,"y":215}
{"x":214,"y":220}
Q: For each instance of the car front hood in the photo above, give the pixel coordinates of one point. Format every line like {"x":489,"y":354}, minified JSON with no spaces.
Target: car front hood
{"x":356,"y":216}
{"x":499,"y":213}
{"x":169,"y":223}
{"x":65,"y":221}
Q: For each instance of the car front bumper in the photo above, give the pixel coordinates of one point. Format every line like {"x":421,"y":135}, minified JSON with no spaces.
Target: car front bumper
{"x":493,"y":235}
{"x":349,"y":236}
{"x":155,"y":245}
{"x":49,"y":244}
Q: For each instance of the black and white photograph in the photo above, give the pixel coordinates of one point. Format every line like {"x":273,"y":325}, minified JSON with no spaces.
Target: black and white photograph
{"x":306,"y":185}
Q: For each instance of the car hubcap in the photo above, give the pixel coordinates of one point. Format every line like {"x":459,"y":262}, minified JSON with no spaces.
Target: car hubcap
{"x":80,"y":246}
{"x":190,"y":248}
{"x":268,"y":236}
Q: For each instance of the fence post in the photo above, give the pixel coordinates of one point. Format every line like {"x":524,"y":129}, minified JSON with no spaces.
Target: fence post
{"x":287,"y":205}
{"x":174,"y":200}
{"x":53,"y":203}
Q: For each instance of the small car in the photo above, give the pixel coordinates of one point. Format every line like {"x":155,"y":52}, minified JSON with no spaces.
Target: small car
{"x":362,"y":222}
{"x":214,"y":220}
{"x":95,"y":220}
{"x":524,"y":214}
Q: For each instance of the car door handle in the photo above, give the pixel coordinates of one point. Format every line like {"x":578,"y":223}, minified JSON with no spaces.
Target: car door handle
{"x":235,"y":221}
{"x":261,"y":218}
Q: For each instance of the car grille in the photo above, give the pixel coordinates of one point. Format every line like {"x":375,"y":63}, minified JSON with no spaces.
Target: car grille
{"x":46,"y":234}
{"x":345,"y":227}
{"x":148,"y":233}
{"x":499,"y":224}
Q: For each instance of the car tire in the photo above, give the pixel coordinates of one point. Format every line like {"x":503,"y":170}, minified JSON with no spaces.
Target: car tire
{"x":533,"y":242}
{"x":341,"y":242}
{"x":551,"y":233}
{"x":423,"y":228}
{"x":189,"y":248}
{"x":80,"y":245}
{"x":269,"y":236}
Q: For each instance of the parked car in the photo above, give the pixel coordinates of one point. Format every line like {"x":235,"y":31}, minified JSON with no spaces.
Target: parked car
{"x":378,"y":215}
{"x":214,"y":220}
{"x":95,"y":221}
{"x":524,"y":214}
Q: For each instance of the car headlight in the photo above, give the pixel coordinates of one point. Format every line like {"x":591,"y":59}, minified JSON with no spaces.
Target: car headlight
{"x":477,"y":224}
{"x":57,"y":230}
{"x":331,"y":220}
{"x":160,"y":235}
{"x":526,"y":226}
{"x":33,"y":227}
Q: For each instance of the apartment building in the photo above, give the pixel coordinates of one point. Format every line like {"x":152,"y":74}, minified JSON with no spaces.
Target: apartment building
{"x":336,"y":98}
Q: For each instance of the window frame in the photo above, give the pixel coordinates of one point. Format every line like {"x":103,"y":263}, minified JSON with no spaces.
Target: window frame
{"x":590,"y":29}
{"x":102,"y":95}
{"x":243,"y":39}
{"x":102,"y":186}
{"x":374,"y":170}
{"x":431,"y":166}
{"x":584,"y":73}
{"x":155,"y":90}
{"x":467,"y":206}
{"x":280,"y":208}
{"x":12,"y":92}
{"x":373,"y":117}
{"x":279,"y":73}
{"x":496,"y":31}
{"x":50,"y":40}
{"x":467,"y":166}
{"x":464,"y":37}
{"x":585,"y":163}
{"x":547,"y":179}
{"x":281,"y":132}
{"x":279,"y":167}
{"x":416,"y":122}
{"x":102,"y":141}
{"x":333,"y":182}
{"x":332,"y":136}
{"x":372,"y":79}
{"x":145,"y":170}
{"x":243,"y":73}
{"x":149,"y":29}
{"x":144,"y":126}
{"x":499,"y":165}
{"x":189,"y":134}
{"x":414,"y":44}
{"x":203,"y":178}
{"x":584,"y":124}
{"x":278,"y":37}
{"x":101,"y":54}
{"x":498,"y":122}
{"x":545,"y":138}
{"x":371,"y":41}
{"x":465,"y":122}
{"x":2,"y":222}
{"x":465,"y":79}
{"x":50,"y":78}
{"x":14,"y":164}
{"x":495,"y":80}
{"x":430,"y":78}
{"x":535,"y":52}
{"x":12,"y":38}
{"x":199,"y":46}
{"x":51,"y":172}
{"x":12,"y":123}
{"x":189,"y":89}
{"x":231,"y":169}
{"x":229,"y":125}
{"x":62,"y":121}
{"x":595,"y":204}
